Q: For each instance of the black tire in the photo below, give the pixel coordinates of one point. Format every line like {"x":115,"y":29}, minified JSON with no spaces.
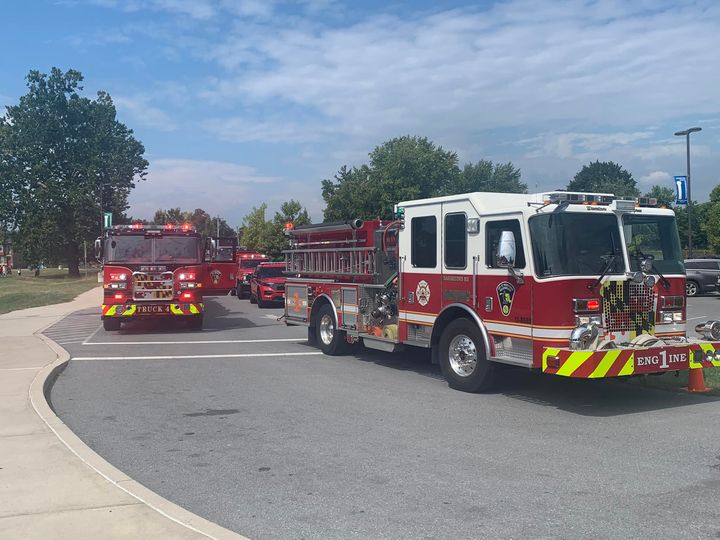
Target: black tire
{"x":262,"y":304}
{"x":196,"y":322}
{"x":692,"y":288}
{"x":330,"y":340}
{"x":253,"y":299}
{"x":467,"y":377}
{"x":111,"y":323}
{"x":239,"y":291}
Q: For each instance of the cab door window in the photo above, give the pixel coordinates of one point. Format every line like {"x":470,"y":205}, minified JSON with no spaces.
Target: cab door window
{"x":493,"y":230}
{"x":456,"y":241}
{"x":423,"y":250}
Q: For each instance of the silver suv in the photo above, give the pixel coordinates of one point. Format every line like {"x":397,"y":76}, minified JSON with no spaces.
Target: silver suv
{"x":702,"y":276}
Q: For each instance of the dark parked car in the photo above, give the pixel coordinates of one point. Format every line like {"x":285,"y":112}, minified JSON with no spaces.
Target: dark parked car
{"x":702,"y":276}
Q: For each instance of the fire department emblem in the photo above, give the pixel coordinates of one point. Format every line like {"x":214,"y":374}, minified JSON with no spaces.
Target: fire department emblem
{"x":215,"y":275}
{"x":505,"y":292}
{"x":422,"y":292}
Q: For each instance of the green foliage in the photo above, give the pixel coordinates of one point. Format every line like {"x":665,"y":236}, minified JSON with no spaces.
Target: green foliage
{"x":269,"y":236}
{"x":60,"y":155}
{"x":665,"y":196}
{"x":486,"y":176}
{"x":290,"y":212}
{"x":256,"y":231}
{"x":409,"y":168}
{"x":701,"y":214}
{"x":204,"y":223}
{"x":604,"y":177}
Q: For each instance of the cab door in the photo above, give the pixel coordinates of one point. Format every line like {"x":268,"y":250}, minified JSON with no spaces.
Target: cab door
{"x":505,"y":290}
{"x":220,"y":266}
{"x":420,"y":272}
{"x":461,"y":248}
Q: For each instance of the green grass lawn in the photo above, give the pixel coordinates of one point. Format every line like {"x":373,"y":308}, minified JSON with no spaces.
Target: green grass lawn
{"x":52,"y":287}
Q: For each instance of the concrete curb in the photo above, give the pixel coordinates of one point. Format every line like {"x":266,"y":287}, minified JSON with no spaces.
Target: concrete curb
{"x":39,"y":393}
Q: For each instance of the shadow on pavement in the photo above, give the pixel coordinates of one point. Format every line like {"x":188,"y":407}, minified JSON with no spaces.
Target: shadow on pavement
{"x":587,"y":397}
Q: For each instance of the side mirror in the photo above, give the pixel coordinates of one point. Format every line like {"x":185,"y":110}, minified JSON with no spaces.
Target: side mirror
{"x":98,"y":249}
{"x":506,"y":250}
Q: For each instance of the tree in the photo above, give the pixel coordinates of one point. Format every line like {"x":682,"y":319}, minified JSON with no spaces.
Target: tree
{"x":604,"y":177}
{"x":409,"y":168}
{"x":486,"y":176}
{"x":665,"y":196}
{"x":290,"y":212}
{"x":61,"y":155}
{"x":708,"y":221}
{"x":256,"y":230}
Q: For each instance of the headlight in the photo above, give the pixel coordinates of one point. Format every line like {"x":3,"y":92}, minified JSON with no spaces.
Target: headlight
{"x":670,"y":316}
{"x":188,"y":285}
{"x":588,"y":319}
{"x":118,"y":286}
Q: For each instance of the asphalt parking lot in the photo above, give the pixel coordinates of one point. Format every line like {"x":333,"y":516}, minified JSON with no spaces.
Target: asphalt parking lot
{"x":246,"y":425}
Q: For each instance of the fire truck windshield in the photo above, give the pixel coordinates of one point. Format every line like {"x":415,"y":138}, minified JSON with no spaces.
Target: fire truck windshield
{"x":145,"y":249}
{"x":574,"y":244}
{"x":269,"y":271}
{"x":653,"y":236}
{"x":248,"y":263}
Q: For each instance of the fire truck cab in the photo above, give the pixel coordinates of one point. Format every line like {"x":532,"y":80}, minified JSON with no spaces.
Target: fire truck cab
{"x":151,"y":271}
{"x":247,"y":262}
{"x":573,"y":284}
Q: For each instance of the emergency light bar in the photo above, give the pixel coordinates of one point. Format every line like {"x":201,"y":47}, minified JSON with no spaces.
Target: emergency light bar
{"x":601,"y":199}
{"x":152,"y":227}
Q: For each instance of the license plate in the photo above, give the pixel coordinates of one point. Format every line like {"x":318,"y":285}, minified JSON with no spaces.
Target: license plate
{"x":148,"y":309}
{"x":662,"y":359}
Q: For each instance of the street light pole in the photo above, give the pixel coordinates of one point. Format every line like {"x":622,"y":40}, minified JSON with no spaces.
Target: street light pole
{"x":686,"y":133}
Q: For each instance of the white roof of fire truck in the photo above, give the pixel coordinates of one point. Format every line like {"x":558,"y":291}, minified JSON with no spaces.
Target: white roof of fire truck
{"x":489,"y":203}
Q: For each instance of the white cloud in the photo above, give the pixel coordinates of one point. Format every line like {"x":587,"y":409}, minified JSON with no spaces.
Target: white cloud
{"x":582,"y":145}
{"x":140,"y":110}
{"x":518,"y":63}
{"x":656,"y":178}
{"x":197,"y":9}
{"x":218,"y":187}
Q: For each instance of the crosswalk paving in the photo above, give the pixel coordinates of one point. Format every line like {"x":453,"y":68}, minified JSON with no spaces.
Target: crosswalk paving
{"x":75,"y":328}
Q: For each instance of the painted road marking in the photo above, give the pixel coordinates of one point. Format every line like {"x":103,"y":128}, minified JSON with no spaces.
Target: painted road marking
{"x":93,"y":334}
{"x":199,"y":342}
{"x":194,"y":356}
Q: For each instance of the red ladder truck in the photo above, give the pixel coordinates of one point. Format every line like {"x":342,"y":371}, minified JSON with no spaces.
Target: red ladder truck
{"x":572,"y":284}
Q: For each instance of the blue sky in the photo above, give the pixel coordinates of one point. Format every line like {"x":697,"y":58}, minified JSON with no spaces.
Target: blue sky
{"x":240,"y":102}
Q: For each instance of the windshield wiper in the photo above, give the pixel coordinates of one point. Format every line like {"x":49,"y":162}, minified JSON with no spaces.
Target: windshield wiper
{"x":608,"y":264}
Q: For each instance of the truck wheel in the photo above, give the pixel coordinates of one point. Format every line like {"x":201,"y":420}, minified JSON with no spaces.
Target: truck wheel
{"x":110,"y":323}
{"x":462,"y":358}
{"x":196,"y":322}
{"x":691,"y":288}
{"x":330,"y":340}
{"x":239,"y":291}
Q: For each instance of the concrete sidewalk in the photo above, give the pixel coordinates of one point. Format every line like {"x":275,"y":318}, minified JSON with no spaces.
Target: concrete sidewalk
{"x":51,"y":484}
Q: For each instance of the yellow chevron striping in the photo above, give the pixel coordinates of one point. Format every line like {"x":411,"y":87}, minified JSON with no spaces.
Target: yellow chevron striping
{"x":194,"y":309}
{"x":605,"y":364}
{"x":574,"y":361}
{"x":629,"y":367}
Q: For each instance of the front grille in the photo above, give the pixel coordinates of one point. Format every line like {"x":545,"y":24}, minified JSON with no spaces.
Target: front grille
{"x":152,"y":286}
{"x":628,"y":307}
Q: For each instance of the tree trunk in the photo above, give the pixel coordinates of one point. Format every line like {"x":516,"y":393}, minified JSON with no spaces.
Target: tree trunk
{"x":73,"y":256}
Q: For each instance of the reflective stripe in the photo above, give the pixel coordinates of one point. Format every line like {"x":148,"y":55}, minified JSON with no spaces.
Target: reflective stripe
{"x":574,"y":361}
{"x":605,"y":364}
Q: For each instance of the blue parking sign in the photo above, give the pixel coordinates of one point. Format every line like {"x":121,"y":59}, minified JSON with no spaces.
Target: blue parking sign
{"x":681,"y":190}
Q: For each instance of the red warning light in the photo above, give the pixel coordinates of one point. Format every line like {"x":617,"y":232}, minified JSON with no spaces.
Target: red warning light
{"x":137,"y":226}
{"x":119,"y":297}
{"x":186,"y":226}
{"x":593,"y":305}
{"x":169,"y":226}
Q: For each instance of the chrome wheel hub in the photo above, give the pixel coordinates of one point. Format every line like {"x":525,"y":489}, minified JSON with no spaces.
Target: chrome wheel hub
{"x":327,"y":329}
{"x":462,"y":355}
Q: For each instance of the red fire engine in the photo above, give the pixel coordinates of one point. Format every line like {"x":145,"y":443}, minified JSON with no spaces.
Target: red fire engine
{"x":573,"y":284}
{"x":247,"y":261}
{"x":159,"y":271}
